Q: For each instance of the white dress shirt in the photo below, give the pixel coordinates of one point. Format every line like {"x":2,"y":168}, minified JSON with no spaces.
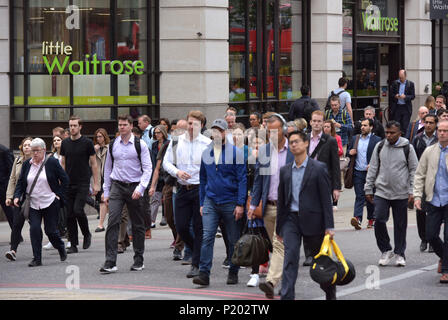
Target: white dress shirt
{"x":188,"y":156}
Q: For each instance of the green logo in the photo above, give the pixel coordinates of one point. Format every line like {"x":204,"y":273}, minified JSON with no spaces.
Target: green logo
{"x":373,"y":21}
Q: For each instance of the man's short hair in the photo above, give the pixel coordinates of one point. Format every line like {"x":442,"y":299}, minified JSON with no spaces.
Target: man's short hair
{"x":305,"y":90}
{"x":268,"y":114}
{"x":393,"y":123}
{"x":342,"y":81}
{"x":431,"y":116}
{"x":335,"y":98}
{"x":441,"y":97}
{"x":370,"y":108}
{"x":125,"y":117}
{"x":301,"y":134}
{"x":368,"y":119}
{"x":74,"y":118}
{"x":441,"y":111}
{"x":231,"y":109}
{"x":59,"y":131}
{"x":319,"y":113}
{"x":197,"y":115}
{"x":145,"y":118}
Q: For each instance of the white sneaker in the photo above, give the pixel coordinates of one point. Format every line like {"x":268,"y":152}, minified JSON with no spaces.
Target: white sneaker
{"x":400,"y":261}
{"x":335,"y":208}
{"x":68,"y":245}
{"x":385,"y":258}
{"x":48,"y":246}
{"x":254,"y":279}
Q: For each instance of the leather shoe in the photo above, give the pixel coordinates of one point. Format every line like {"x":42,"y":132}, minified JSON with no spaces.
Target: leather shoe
{"x":423,"y":246}
{"x":308,"y":261}
{"x":99,"y":229}
{"x":87,"y":241}
{"x":35,"y":263}
{"x":202,"y":279}
{"x":268,"y":289}
{"x":63,"y":254}
{"x":232,"y":278}
{"x":72,"y":249}
{"x":177,"y":255}
{"x":193,"y":272}
{"x":121,"y":249}
{"x":431,"y":249}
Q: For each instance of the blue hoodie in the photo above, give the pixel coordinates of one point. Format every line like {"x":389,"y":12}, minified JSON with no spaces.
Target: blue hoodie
{"x":225,"y":182}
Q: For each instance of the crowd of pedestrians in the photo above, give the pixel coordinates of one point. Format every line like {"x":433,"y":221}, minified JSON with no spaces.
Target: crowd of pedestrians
{"x":281,"y":177}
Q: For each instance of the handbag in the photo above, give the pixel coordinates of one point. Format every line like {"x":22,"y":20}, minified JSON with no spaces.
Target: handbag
{"x":251,"y":249}
{"x":327,"y":271}
{"x":26,"y":203}
{"x":258,"y":210}
{"x":348,"y":176}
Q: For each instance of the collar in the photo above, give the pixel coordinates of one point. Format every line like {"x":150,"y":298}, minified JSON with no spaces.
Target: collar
{"x":402,"y":82}
{"x":131,"y":140}
{"x":368,"y":136}
{"x":431,"y":137}
{"x":319,"y":135}
{"x":398,"y":141}
{"x":37,"y":164}
{"x":285,"y":147}
{"x":303,"y":165}
{"x":443,"y":149}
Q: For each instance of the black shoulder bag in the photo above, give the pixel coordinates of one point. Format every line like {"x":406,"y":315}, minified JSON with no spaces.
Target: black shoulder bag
{"x":26,"y":203}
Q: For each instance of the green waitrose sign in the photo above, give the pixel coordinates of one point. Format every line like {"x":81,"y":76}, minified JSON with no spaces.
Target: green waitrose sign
{"x":377,"y":23}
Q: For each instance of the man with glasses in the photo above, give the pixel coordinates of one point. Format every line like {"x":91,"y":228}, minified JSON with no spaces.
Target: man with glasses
{"x":421,"y":142}
{"x":79,"y":161}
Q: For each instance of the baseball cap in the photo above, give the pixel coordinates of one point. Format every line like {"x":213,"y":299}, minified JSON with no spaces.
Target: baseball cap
{"x":220,"y":123}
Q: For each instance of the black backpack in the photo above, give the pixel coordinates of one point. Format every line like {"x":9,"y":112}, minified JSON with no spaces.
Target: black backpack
{"x":332,"y":94}
{"x":138,"y":148}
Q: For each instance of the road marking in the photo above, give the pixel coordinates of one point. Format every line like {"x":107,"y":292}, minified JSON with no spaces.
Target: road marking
{"x":406,"y":275}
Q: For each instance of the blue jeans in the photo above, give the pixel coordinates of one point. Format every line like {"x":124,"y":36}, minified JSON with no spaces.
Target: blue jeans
{"x":211,"y":214}
{"x":359,"y":179}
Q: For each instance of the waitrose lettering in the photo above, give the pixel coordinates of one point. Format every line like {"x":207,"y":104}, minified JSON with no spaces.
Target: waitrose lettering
{"x":379,"y":23}
{"x":86,"y":67}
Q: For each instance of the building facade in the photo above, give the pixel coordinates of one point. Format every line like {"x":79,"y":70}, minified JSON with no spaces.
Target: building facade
{"x":102,"y":58}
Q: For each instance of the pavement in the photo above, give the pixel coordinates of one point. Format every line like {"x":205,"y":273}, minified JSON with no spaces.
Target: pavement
{"x":78,"y":278}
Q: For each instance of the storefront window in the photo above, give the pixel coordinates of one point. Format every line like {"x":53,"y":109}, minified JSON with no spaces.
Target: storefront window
{"x":272,"y":49}
{"x":347,"y":43}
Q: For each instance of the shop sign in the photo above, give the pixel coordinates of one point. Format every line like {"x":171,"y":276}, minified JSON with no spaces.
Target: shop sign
{"x":62,"y":54}
{"x":438,"y":9}
{"x":373,"y":21}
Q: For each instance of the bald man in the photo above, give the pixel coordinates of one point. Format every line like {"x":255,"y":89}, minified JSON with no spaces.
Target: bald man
{"x":402,"y":93}
{"x":418,"y":125}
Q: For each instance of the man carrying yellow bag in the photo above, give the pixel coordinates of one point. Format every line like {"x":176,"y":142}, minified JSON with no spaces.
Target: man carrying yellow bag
{"x":304,"y":209}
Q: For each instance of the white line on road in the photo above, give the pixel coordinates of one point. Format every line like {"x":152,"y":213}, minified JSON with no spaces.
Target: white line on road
{"x":400,"y":277}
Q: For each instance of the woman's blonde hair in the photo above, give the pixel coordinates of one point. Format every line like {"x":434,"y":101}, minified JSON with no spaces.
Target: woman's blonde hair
{"x":21,"y":145}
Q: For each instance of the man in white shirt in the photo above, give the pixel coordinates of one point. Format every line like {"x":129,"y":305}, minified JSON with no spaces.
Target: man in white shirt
{"x":184,"y":163}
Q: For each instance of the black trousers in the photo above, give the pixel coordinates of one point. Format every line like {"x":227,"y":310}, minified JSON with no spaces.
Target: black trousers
{"x":402,"y":115}
{"x":434,"y":219}
{"x":187,"y":211}
{"x":76,"y":200}
{"x":7,"y":210}
{"x":421,"y":224}
{"x":292,"y":238}
{"x":16,"y":233}
{"x":50,"y":216}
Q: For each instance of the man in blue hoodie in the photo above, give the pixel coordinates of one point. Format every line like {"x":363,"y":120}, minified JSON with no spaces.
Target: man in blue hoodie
{"x":223,"y":189}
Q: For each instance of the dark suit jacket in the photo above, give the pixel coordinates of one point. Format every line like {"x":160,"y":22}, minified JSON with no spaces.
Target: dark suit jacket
{"x":297,"y":109}
{"x":262,"y":181}
{"x":56,"y":177}
{"x":372,"y":143}
{"x":415,"y":132}
{"x":409,"y":92}
{"x":6,"y":161}
{"x":420,"y":145}
{"x":315,"y":202}
{"x":328,"y":154}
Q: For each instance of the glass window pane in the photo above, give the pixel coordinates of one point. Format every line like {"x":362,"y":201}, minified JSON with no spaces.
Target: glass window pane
{"x":237,"y":50}
{"x":132,"y":89}
{"x":347,"y":43}
{"x":19,"y":90}
{"x":92,"y":90}
{"x":253,"y":69}
{"x":379,"y":17}
{"x":366,"y":69}
{"x":18,"y":37}
{"x":269,"y":42}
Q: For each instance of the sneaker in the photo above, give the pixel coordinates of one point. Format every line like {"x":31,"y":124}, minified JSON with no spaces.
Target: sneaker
{"x":355,"y":222}
{"x":71,"y":250}
{"x":430,"y":249}
{"x":194,"y":272}
{"x":11,"y":255}
{"x":186,"y":261}
{"x":225,"y":264}
{"x":177,"y":255}
{"x":400,"y":261}
{"x":35,"y":263}
{"x":107,"y":270}
{"x":385,"y":258}
{"x":202,"y":279}
{"x":232,"y":278}
{"x":153,"y":225}
{"x":254,"y":280}
{"x":137,"y":267}
{"x":335,"y":208}
{"x":48,"y":246}
{"x":218,"y":233}
{"x":68,"y":245}
{"x":163,"y":222}
{"x":423,"y":246}
{"x":370,"y":224}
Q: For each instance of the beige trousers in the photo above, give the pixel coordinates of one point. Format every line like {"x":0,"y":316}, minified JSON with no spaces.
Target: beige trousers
{"x":276,"y":262}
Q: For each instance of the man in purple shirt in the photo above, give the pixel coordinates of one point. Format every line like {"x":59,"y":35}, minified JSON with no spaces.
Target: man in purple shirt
{"x":127,"y":173}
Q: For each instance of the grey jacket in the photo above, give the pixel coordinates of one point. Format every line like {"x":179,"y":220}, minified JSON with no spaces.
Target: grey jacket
{"x":394,"y":180}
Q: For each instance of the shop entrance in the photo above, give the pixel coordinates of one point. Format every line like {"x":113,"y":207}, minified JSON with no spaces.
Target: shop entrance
{"x":377,"y":65}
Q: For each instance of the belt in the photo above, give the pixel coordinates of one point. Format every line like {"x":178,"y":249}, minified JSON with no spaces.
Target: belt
{"x":125,"y":184}
{"x":272,"y":202}
{"x":188,"y":186}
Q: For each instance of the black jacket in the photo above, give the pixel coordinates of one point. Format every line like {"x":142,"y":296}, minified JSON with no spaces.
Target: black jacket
{"x":327,"y":152}
{"x":315,"y":203}
{"x":6,"y":162}
{"x":409,"y":92}
{"x":420,"y":145}
{"x":56,"y":177}
{"x":302,"y":108}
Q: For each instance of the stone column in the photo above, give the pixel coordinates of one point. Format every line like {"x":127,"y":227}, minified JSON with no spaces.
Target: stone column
{"x":4,"y":69}
{"x":326,"y":49}
{"x":418,"y":50}
{"x":194,"y":57}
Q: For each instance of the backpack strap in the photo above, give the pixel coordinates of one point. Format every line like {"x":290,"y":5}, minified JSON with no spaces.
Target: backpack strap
{"x":412,"y":130}
{"x":138,"y":149}
{"x":111,"y":148}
